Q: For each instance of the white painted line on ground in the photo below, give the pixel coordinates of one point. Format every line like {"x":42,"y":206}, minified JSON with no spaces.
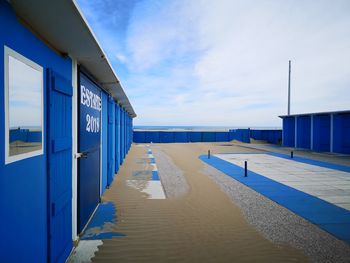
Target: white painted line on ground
{"x":327,"y":184}
{"x":154,"y":167}
{"x":153,"y":189}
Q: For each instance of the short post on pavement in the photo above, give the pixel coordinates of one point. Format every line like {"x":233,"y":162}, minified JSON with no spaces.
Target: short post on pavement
{"x":208,"y":154}
{"x":245,"y":169}
{"x":291,"y":154}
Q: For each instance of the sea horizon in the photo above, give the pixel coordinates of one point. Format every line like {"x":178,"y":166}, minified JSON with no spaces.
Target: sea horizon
{"x":198,"y":128}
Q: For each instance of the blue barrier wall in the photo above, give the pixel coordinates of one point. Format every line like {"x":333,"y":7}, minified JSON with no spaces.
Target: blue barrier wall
{"x":208,"y":136}
{"x":304,"y":132}
{"x":271,"y":136}
{"x":221,"y":136}
{"x":166,"y":137}
{"x":242,"y":135}
{"x":195,"y":136}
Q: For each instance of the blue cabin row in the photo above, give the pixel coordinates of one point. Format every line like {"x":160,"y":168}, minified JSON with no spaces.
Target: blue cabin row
{"x":65,"y":128}
{"x":322,"y":132}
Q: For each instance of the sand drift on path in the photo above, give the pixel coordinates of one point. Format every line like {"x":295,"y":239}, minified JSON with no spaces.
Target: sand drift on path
{"x":197,"y":223}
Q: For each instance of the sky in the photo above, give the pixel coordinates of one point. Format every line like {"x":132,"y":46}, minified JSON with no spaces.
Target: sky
{"x":225,"y":62}
{"x":25,"y":104}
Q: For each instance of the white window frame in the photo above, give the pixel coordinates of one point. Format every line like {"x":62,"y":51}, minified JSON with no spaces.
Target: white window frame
{"x":7,"y":53}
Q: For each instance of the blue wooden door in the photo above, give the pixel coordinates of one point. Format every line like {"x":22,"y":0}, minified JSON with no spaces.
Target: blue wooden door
{"x":89,"y":145}
{"x":59,"y":166}
{"x":117,"y":138}
{"x":111,"y":141}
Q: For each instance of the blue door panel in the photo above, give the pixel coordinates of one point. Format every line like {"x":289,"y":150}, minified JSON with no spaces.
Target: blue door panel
{"x":289,"y":131}
{"x":321,"y":133}
{"x":195,"y":136}
{"x":89,"y":144}
{"x":104,"y":141}
{"x":111,"y":141}
{"x":59,"y":166}
{"x":304,"y":132}
{"x":118,"y":138}
{"x":341,"y":135}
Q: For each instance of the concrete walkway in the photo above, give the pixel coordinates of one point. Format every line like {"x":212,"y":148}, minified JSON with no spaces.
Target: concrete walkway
{"x":331,"y":185}
{"x":316,"y":191}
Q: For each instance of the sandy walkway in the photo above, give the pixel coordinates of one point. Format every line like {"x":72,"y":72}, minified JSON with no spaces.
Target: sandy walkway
{"x":201,"y":226}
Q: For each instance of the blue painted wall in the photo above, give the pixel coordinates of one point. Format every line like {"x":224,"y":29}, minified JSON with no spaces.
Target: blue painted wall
{"x":221,"y":136}
{"x":321,"y":133}
{"x":242,"y":135}
{"x":104,"y":140}
{"x":23,"y":184}
{"x":208,"y":136}
{"x":117,"y":139}
{"x":181,"y":137}
{"x":190,"y":136}
{"x":288,"y":132}
{"x":195,"y":136}
{"x":166,"y":137}
{"x":341,"y":133}
{"x":271,"y":136}
{"x":304,"y":132}
{"x":111,"y":141}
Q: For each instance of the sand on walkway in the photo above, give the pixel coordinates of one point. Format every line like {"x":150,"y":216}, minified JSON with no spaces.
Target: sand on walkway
{"x":202,"y":225}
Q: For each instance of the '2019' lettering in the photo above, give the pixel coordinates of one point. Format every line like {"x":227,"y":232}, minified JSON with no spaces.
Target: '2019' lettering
{"x":92,"y":124}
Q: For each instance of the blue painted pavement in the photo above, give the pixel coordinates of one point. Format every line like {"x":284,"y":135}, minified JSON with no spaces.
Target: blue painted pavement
{"x":327,"y":216}
{"x":100,"y":226}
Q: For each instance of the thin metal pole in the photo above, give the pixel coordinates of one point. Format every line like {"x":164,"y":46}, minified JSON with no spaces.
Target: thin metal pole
{"x":291,"y":154}
{"x":208,"y":154}
{"x":245,"y":169}
{"x":289,"y":73}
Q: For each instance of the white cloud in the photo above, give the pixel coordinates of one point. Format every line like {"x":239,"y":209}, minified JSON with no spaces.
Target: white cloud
{"x":225,"y":62}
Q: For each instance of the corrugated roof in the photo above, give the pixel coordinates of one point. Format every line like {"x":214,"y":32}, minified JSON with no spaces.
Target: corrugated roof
{"x":63,"y":27}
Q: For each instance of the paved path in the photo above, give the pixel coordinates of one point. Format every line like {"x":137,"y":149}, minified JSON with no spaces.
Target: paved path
{"x":287,"y":182}
{"x":331,"y":185}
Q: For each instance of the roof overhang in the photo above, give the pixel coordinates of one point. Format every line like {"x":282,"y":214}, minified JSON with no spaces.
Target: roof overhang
{"x":316,"y":113}
{"x":63,"y":27}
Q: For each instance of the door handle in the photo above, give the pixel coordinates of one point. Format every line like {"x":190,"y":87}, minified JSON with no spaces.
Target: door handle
{"x":82,"y":155}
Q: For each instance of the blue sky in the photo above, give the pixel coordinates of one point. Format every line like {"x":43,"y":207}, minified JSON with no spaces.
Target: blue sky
{"x":225,"y":62}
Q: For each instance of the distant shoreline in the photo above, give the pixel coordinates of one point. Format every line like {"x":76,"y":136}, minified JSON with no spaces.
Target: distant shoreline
{"x":199,"y":128}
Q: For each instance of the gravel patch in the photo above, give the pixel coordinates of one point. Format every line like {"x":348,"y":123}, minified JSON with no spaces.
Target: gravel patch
{"x":279,"y":224}
{"x":171,"y":176}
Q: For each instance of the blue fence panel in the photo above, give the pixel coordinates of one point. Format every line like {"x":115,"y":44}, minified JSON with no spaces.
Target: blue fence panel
{"x":208,"y":137}
{"x":221,"y":136}
{"x":195,"y":136}
{"x":242,"y":135}
{"x":152,"y":137}
{"x":166,"y":137}
{"x":181,"y":137}
{"x":140,"y":137}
